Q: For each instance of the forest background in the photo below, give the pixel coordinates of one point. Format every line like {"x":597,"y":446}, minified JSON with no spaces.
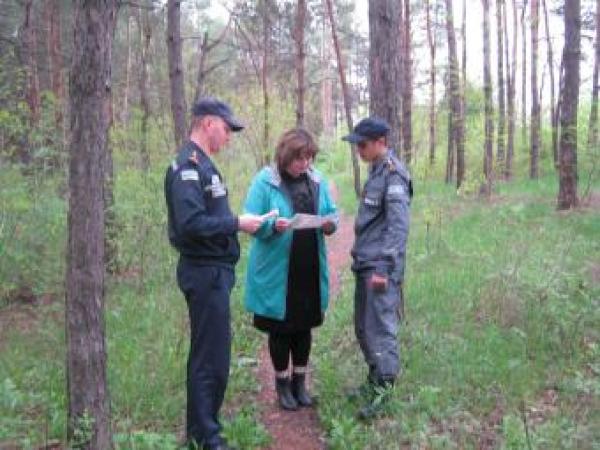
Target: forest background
{"x":501,"y":342}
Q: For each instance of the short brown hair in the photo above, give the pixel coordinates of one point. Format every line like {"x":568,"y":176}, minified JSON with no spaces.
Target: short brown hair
{"x":293,"y":144}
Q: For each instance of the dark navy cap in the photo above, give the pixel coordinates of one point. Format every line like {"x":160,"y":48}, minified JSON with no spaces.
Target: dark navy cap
{"x":368,"y":129}
{"x":210,"y":106}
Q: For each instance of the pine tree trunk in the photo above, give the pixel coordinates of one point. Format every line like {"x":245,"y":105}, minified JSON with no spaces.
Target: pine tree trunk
{"x":457,"y":113}
{"x":326,"y":77}
{"x":593,"y":132}
{"x":89,"y":93}
{"x":524,"y":78}
{"x":28,"y":49}
{"x":346,"y":96}
{"x":55,"y":59}
{"x":512,"y":77}
{"x":145,"y":36}
{"x":501,"y":94}
{"x":407,"y":85}
{"x":174,"y":50}
{"x":488,"y":156}
{"x":432,"y":99}
{"x":567,"y":194}
{"x":535,"y":101}
{"x":553,"y":114}
{"x":300,"y":56}
{"x":265,"y":82}
{"x":451,"y":145}
{"x":384,"y":65}
{"x":125,"y":110}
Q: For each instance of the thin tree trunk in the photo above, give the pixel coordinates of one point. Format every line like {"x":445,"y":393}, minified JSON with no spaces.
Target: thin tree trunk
{"x":524,"y":78}
{"x":512,"y":76}
{"x":488,"y":157}
{"x":432,"y":99}
{"x":89,"y":93}
{"x":55,"y":59}
{"x":535,"y":104}
{"x":553,"y":115}
{"x":204,"y":48}
{"x":567,"y":194}
{"x":174,"y":50}
{"x":384,"y":65}
{"x":125,"y":110}
{"x":300,"y":57}
{"x":593,"y":141}
{"x":29,"y":58}
{"x":326,"y":78}
{"x":265,"y":81}
{"x":145,"y":36}
{"x":451,"y":145}
{"x":501,"y":93}
{"x":457,"y":113}
{"x":463,"y":33}
{"x":346,"y":96}
{"x":407,"y":85}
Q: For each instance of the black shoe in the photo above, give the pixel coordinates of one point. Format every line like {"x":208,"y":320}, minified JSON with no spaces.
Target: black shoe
{"x":365,"y":390}
{"x":299,"y":390}
{"x":376,"y":405}
{"x":284,"y":394}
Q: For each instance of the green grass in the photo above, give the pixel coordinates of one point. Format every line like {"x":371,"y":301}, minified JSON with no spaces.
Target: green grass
{"x":501,"y":309}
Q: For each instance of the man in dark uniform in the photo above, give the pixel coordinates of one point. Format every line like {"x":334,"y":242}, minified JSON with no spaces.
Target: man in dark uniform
{"x":204,"y":231}
{"x":381,"y":232}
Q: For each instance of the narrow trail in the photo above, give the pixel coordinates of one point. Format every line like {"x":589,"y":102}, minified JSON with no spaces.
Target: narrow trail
{"x":301,"y":429}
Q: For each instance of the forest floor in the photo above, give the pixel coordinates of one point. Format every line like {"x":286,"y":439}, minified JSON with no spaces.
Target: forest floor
{"x":301,"y":429}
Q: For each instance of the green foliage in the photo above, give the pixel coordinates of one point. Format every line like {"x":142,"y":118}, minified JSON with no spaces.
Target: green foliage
{"x":500,"y":309}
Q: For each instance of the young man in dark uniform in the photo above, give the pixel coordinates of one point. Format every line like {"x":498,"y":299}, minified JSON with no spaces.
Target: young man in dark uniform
{"x":204,"y":231}
{"x":381,"y":232}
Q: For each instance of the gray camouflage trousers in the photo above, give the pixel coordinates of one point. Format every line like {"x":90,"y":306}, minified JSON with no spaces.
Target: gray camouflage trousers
{"x":376,"y":322}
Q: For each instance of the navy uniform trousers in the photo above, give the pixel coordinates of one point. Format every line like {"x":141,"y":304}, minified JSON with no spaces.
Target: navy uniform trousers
{"x":206,"y":289}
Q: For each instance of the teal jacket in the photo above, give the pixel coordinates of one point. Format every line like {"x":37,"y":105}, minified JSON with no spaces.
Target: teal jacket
{"x":266,"y":275}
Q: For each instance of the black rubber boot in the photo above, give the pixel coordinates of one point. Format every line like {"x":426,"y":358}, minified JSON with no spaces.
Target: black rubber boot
{"x":376,"y":404}
{"x":299,"y":390}
{"x":284,"y":394}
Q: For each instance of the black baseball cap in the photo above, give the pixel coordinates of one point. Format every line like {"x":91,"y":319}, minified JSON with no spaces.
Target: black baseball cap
{"x":210,"y":106}
{"x":368,"y":129}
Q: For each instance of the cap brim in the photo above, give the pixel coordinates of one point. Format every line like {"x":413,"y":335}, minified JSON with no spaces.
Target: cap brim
{"x":234,"y":124}
{"x":354,"y":138}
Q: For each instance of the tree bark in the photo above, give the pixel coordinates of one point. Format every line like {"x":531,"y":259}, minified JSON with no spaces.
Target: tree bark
{"x":501,"y":93}
{"x":28,"y":54}
{"x":407,"y":85}
{"x":535,"y":101}
{"x":145,"y":37}
{"x":553,"y":114}
{"x":346,"y":97}
{"x":265,"y":79}
{"x":300,"y":57}
{"x":174,"y":50}
{"x":457,"y":113}
{"x":327,"y":77}
{"x":90,"y":92}
{"x":593,"y":141}
{"x":55,"y":59}
{"x":524,"y":78}
{"x":384,"y":68}
{"x":512,"y":83}
{"x":567,"y":193}
{"x":432,"y":100}
{"x":488,"y":156}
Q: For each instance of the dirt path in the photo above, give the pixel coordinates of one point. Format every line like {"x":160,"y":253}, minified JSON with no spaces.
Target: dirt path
{"x":301,"y":429}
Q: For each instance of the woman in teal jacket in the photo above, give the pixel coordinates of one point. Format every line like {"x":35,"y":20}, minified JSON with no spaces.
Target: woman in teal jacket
{"x":287,"y":284}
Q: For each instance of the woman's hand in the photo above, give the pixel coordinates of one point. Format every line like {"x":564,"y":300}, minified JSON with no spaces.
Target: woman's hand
{"x":282,"y":224}
{"x":328,"y":227}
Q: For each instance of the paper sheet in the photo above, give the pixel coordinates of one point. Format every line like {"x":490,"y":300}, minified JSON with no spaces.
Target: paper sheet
{"x":304,"y":221}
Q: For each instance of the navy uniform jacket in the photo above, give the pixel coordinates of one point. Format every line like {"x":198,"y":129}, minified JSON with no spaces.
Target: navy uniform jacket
{"x":201,"y":225}
{"x":382,"y":222}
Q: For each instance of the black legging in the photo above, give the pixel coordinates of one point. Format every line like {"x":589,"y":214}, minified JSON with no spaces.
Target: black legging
{"x":281,"y":345}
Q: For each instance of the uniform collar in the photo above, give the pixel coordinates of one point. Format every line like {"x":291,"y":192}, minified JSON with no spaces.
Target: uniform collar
{"x":379,"y":162}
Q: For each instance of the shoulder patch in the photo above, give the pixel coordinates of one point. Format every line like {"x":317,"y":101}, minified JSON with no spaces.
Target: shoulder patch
{"x":189,"y":175}
{"x":396,"y":190}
